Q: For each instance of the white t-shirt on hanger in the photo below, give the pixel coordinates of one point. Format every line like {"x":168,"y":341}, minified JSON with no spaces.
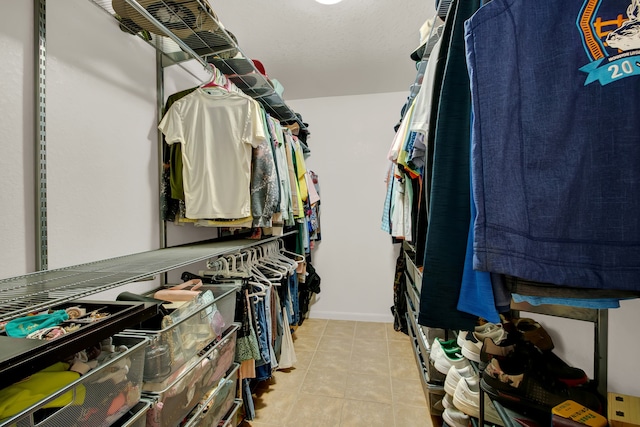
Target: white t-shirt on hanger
{"x":423,"y":101}
{"x":217,"y":130}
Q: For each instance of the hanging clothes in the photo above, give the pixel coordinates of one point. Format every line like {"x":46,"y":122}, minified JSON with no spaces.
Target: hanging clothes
{"x":297,"y":207}
{"x":265,"y":189}
{"x":449,"y":208}
{"x":172,"y":191}
{"x":399,"y":307}
{"x":286,"y":205}
{"x":217,"y":130}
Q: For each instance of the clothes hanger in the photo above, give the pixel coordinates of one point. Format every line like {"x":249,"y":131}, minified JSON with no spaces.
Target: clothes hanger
{"x":226,"y":267}
{"x":263,"y":262}
{"x":218,"y":268}
{"x":261,"y":293}
{"x":278,"y":253}
{"x":297,"y":257}
{"x":238,"y":269}
{"x":272,"y":257}
{"x":213,"y":81}
{"x":257,"y":274}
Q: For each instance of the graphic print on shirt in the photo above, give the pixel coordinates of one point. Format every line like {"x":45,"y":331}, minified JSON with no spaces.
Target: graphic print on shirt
{"x":611,"y":38}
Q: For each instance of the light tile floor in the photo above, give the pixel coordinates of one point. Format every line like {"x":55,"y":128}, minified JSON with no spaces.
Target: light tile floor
{"x":348,"y":374}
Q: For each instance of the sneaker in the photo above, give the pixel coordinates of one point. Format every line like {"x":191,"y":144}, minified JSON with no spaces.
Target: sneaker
{"x":438,"y":345}
{"x":449,"y":358}
{"x":467,"y":399}
{"x":447,"y":401}
{"x":524,"y":356}
{"x":533,"y":332}
{"x":478,"y":329}
{"x":455,"y":375}
{"x":532,"y":390}
{"x":472,"y":342}
{"x":455,"y":418}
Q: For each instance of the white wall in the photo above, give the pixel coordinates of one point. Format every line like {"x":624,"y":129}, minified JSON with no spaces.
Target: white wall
{"x":102,"y":149}
{"x":350,"y":137}
{"x":16,"y":133}
{"x":101,"y":139}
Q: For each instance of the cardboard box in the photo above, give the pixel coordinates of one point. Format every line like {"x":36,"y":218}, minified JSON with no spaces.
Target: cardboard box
{"x":580,"y":414}
{"x":624,"y":410}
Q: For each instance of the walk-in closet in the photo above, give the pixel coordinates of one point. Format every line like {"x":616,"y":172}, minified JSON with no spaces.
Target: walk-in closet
{"x":319,"y":213}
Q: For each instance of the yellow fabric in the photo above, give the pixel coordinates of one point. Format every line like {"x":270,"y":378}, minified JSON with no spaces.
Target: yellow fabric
{"x":301,"y":170}
{"x":402,"y":135}
{"x":42,"y":384}
{"x":298,"y":210}
{"x":240,"y":222}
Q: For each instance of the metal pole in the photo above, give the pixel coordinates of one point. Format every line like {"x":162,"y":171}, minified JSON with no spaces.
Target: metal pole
{"x":160,"y":111}
{"x":40,"y":50}
{"x":601,"y":354}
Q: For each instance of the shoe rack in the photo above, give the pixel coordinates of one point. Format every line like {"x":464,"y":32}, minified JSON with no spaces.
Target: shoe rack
{"x":434,"y":391}
{"x":600,"y":320}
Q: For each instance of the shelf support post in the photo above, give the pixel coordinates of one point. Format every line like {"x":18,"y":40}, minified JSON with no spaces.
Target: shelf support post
{"x":40,"y":51}
{"x":601,"y":351}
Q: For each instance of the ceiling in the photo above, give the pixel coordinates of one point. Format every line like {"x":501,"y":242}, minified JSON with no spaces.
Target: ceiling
{"x":315,"y":50}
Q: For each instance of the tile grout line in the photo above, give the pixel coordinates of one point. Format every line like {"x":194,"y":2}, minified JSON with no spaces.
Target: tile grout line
{"x":393,"y":400}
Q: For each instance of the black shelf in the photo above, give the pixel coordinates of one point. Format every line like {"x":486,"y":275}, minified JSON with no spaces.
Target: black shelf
{"x":21,"y":356}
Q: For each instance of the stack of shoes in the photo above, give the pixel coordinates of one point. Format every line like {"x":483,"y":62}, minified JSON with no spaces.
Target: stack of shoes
{"x":467,"y":400}
{"x":462,"y":398}
{"x":453,"y":416}
{"x":522,"y":372}
{"x":445,"y":354}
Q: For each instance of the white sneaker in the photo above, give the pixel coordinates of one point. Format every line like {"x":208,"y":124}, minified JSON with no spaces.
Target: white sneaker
{"x":472,"y":342}
{"x":447,"y":401}
{"x":455,"y":375}
{"x":478,"y":329}
{"x":447,"y":359}
{"x":436,"y":348}
{"x":455,"y":418}
{"x":467,"y":399}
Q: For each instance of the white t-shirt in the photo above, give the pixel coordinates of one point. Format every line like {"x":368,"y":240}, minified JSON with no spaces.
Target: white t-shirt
{"x":217,"y":130}
{"x":423,"y":101}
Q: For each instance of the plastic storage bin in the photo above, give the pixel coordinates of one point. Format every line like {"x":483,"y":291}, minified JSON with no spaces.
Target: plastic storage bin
{"x":186,"y":331}
{"x":97,"y":399}
{"x":174,"y":402}
{"x":213,"y":409}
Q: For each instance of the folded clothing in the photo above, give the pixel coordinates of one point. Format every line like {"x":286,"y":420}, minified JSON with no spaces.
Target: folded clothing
{"x":21,"y":395}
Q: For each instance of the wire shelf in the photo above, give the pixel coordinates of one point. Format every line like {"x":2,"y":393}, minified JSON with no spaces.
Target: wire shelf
{"x":191,"y":30}
{"x":36,"y":291}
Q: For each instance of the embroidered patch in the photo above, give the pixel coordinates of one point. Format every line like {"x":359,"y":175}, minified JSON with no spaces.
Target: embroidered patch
{"x":611,"y":39}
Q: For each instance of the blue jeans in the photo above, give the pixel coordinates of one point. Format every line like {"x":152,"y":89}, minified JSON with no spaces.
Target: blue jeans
{"x":293,"y":310}
{"x":262,"y":333}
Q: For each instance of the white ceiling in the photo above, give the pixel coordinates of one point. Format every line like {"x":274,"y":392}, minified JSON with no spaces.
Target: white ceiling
{"x":314,"y":50}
